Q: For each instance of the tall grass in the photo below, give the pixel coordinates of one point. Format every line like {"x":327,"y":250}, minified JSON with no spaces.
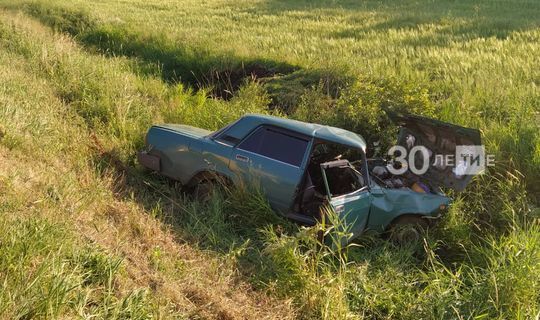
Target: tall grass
{"x":46,"y":269}
{"x":76,"y":239}
{"x":50,"y":275}
{"x":469,"y":64}
{"x":99,"y":237}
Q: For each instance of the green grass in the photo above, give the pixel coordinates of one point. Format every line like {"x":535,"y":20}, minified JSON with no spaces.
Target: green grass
{"x":95,"y":236}
{"x":460,"y":56}
{"x":47,"y":269}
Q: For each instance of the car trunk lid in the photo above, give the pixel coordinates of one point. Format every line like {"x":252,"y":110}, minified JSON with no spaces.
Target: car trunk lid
{"x":186,"y":130}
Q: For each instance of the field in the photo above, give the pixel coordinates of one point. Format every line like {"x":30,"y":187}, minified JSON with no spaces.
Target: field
{"x":85,"y":232}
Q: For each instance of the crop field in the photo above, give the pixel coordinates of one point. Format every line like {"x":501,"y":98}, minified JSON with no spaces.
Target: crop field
{"x":85,"y":232}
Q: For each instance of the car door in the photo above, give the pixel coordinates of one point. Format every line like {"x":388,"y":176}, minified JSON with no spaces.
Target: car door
{"x":349,"y":195}
{"x":274,"y":160}
{"x":353,"y":209}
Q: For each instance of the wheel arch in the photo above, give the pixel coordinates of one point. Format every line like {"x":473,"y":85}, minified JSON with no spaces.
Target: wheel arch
{"x":203,"y":175}
{"x":404,"y":217}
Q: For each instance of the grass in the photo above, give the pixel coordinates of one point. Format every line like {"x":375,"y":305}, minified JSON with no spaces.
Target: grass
{"x":86,"y":233}
{"x":58,"y":170}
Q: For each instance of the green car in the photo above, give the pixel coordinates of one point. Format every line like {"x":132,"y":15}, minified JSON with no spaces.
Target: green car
{"x":301,"y":167}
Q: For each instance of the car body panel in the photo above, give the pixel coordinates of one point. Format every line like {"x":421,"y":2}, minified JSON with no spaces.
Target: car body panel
{"x":179,"y":150}
{"x":375,"y":208}
{"x":354,"y":210}
{"x":388,"y":204}
{"x":186,"y":130}
{"x":173,"y":150}
{"x":213,"y":157}
{"x":277,"y":180}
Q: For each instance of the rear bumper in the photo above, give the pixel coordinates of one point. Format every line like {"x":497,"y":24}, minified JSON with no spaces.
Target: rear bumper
{"x":149,"y":161}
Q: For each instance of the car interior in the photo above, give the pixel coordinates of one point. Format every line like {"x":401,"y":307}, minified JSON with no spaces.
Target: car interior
{"x":342,"y":178}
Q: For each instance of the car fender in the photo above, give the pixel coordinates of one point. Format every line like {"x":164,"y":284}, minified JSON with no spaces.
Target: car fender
{"x":393,"y":203}
{"x":211,"y":158}
{"x":173,"y":150}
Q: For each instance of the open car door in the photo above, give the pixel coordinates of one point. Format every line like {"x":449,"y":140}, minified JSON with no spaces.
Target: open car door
{"x":348,"y":194}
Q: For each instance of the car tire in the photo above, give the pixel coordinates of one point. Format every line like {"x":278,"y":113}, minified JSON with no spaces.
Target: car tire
{"x":407,"y":230}
{"x":204,"y":190}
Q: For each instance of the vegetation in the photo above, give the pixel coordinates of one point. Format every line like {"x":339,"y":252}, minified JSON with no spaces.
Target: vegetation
{"x":84,"y":232}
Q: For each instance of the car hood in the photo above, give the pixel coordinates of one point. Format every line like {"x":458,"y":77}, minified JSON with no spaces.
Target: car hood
{"x":186,"y":130}
{"x":440,"y":138}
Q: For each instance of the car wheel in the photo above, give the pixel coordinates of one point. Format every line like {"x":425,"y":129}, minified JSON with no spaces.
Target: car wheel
{"x":408,"y":230}
{"x":204,"y":191}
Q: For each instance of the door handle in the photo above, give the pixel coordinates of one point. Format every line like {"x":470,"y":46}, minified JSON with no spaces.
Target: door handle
{"x":242,"y":158}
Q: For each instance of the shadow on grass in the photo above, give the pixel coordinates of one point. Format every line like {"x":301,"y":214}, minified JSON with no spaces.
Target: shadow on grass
{"x":476,"y":19}
{"x":231,"y":224}
{"x":158,"y":55}
{"x":195,"y":67}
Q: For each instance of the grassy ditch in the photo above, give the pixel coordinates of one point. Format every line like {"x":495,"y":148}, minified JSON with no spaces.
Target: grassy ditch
{"x":97,"y":236}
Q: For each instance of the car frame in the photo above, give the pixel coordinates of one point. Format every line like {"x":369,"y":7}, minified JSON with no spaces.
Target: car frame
{"x":278,"y":154}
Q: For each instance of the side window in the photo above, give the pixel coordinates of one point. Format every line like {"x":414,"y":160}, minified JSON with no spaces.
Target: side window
{"x":224,"y":136}
{"x":343,"y":180}
{"x":228,"y":138}
{"x":276,"y":145}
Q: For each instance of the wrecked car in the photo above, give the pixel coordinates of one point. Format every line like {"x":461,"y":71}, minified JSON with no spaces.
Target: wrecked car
{"x":302,"y":167}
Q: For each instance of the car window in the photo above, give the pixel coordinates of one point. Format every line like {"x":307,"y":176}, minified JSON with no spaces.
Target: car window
{"x":276,"y":145}
{"x":217,"y":133}
{"x":343,"y":180}
{"x":228,"y":138}
{"x":222,"y":134}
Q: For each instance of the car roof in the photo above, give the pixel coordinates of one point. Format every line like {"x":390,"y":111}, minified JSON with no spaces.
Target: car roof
{"x":319,"y":131}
